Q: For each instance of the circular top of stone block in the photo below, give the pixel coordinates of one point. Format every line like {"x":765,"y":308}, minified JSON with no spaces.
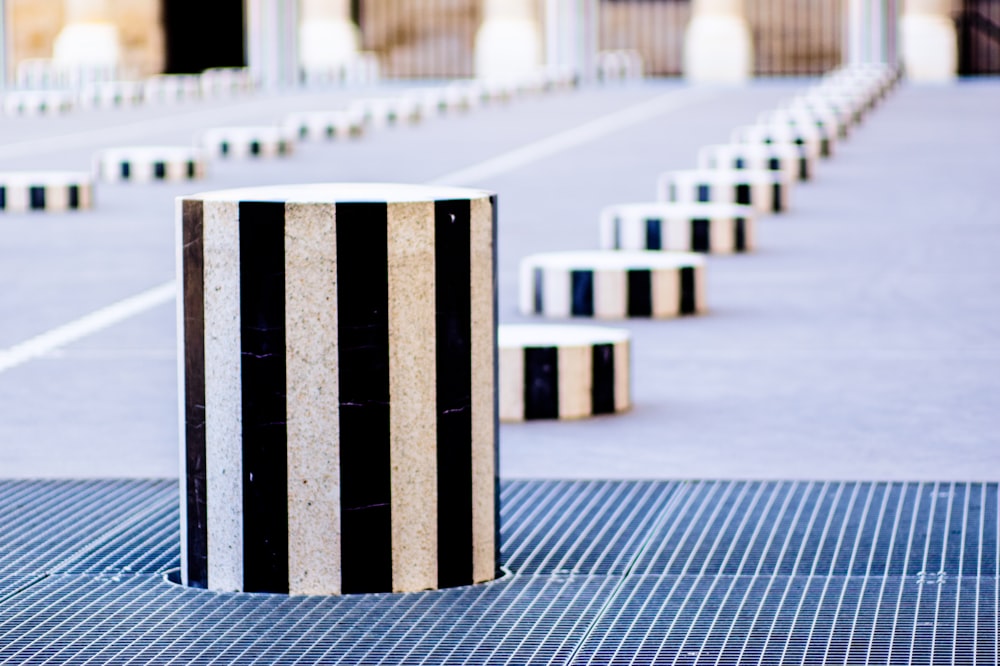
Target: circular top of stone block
{"x":615,"y":260}
{"x":734,"y":176}
{"x":150,"y":152}
{"x":344,"y":193}
{"x":557,"y":335}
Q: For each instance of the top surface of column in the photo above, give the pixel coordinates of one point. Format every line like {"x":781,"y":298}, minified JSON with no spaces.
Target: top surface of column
{"x":344,"y":193}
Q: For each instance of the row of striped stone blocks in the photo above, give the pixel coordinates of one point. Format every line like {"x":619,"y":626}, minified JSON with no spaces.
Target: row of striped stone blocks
{"x":707,"y":228}
{"x":338,"y":388}
{"x":115,"y":94}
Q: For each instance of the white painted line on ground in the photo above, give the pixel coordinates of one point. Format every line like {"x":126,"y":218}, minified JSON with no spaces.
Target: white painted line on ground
{"x":101,"y":319}
{"x":575,"y":137}
{"x":86,"y":325}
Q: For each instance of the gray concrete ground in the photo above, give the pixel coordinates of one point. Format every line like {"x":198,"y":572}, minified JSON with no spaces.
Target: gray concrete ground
{"x":859,"y":342}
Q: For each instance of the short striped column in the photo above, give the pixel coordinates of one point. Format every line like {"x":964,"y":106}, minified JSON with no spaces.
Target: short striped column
{"x":766,"y":191}
{"x":320,"y":125}
{"x":817,"y":107}
{"x":387,"y":111}
{"x":563,"y":372}
{"x":708,"y":228}
{"x":825,"y":123}
{"x":612,"y":285}
{"x":806,"y":139}
{"x":171,"y":88}
{"x":45,"y":191}
{"x":338,"y":388}
{"x":37,"y":102}
{"x":145,"y":164}
{"x":783,"y":158}
{"x":248,"y":142}
{"x":110,"y":94}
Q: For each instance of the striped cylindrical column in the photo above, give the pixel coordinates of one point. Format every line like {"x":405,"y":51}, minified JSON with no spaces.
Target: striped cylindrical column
{"x":709,"y":228}
{"x":37,"y":102}
{"x":171,"y":88}
{"x":825,"y":123}
{"x":562,"y":372}
{"x":612,"y":285}
{"x":313,"y":125}
{"x":110,"y":94}
{"x":252,"y":142}
{"x":338,"y":399}
{"x":806,"y":139}
{"x":784,"y":158}
{"x":766,"y":191}
{"x":144,"y":164}
{"x":45,"y":191}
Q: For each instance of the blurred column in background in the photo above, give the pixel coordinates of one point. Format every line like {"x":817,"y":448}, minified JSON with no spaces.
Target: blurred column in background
{"x":717,"y":44}
{"x":571,"y":35}
{"x":929,"y":40}
{"x":89,"y":37}
{"x":272,"y":42}
{"x":327,"y":36}
{"x":509,"y":39}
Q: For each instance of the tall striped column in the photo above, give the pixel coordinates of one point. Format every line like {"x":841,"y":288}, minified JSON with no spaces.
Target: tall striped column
{"x":338,"y":388}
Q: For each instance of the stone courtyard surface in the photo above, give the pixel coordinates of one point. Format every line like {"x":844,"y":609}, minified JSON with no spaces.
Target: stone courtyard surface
{"x":858,"y":342}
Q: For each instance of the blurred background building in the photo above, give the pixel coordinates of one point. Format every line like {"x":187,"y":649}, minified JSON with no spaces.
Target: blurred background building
{"x":438,"y":38}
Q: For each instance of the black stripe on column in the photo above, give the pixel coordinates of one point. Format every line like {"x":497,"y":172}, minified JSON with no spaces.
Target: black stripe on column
{"x":654,"y":234}
{"x":159,"y":170}
{"x":777,"y":198}
{"x":701,"y":237}
{"x":640,"y":293}
{"x":774,"y":164}
{"x":262,"y":334}
{"x":36,"y":195}
{"x":740,"y":234}
{"x":541,"y":383}
{"x":602,"y":398}
{"x":581,"y":293}
{"x":363,"y":357}
{"x":193,"y":312}
{"x":743,"y":194}
{"x":689,"y":303}
{"x":617,"y":230}
{"x":496,"y":401}
{"x":704,"y":193}
{"x":452,"y":276}
{"x":804,"y":168}
{"x":73,"y":197}
{"x":539,"y":276}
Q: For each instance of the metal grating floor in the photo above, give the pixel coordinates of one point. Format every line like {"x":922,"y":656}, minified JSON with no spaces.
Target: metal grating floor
{"x":601,"y":572}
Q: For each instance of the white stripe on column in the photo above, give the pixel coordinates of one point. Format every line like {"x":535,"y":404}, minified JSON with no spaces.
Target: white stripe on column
{"x":313,"y":402}
{"x":556,"y":292}
{"x":576,"y":379}
{"x":623,"y":372}
{"x":413,"y":396}
{"x":223,"y":390}
{"x":610,"y":295}
{"x":666,"y":285}
{"x":483,"y":397}
{"x":677,"y":236}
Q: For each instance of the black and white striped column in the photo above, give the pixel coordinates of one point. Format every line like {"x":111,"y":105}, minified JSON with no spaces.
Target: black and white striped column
{"x":783,"y":158}
{"x":563,"y":372}
{"x":145,"y":164}
{"x":319,"y":125}
{"x":806,"y":139}
{"x":45,"y":191}
{"x":824,"y":122}
{"x":248,"y":142}
{"x":708,"y":228}
{"x":338,"y":388}
{"x":110,"y":94}
{"x":612,"y":285}
{"x":766,"y":191}
{"x":171,"y":88}
{"x":37,"y":102}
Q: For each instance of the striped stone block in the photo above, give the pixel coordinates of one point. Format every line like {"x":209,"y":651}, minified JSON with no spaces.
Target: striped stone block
{"x":563,"y":372}
{"x":37,"y":102}
{"x":387,"y":111}
{"x":825,"y":123}
{"x":45,"y":191}
{"x":766,"y":191}
{"x":849,"y":106}
{"x":145,"y":164}
{"x":110,"y":94}
{"x":338,"y":400}
{"x":806,"y":139}
{"x":265,"y":141}
{"x":171,"y":88}
{"x":612,"y":285}
{"x":223,"y":81}
{"x":708,"y":228}
{"x":318,"y":125}
{"x":784,"y":158}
